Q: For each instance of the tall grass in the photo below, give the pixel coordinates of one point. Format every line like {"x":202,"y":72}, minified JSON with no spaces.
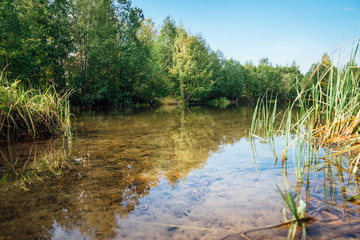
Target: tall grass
{"x":264,"y":118}
{"x":329,"y":113}
{"x":32,"y":114}
{"x":332,"y":108}
{"x":327,"y":127}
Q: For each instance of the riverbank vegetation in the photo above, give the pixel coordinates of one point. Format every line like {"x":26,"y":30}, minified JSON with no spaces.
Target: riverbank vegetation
{"x":111,"y":54}
{"x":31,"y":114}
{"x":329,"y":115}
{"x":327,"y":126}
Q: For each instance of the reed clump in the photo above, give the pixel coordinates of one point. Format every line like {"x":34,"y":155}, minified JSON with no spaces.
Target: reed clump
{"x":32,"y":114}
{"x":329,"y":117}
{"x":331,"y":109}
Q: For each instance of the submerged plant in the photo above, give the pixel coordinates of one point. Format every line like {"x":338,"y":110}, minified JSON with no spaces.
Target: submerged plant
{"x":297,"y":211}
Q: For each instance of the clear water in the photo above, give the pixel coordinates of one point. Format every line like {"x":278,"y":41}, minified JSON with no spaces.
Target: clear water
{"x":170,"y":173}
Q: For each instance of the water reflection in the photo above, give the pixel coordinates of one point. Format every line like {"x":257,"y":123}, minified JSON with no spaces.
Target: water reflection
{"x":117,"y":160}
{"x":28,"y":163}
{"x":142,"y":175}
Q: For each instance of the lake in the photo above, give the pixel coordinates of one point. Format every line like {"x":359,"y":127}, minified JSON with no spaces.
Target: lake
{"x":169,"y":173}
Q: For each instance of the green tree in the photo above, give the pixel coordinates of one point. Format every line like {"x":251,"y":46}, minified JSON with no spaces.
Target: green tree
{"x":191,"y":66}
{"x":231,"y":84}
{"x":100,"y":66}
{"x":27,"y":41}
{"x":251,"y":82}
{"x":290,"y":81}
{"x":151,"y":83}
{"x":163,"y":50}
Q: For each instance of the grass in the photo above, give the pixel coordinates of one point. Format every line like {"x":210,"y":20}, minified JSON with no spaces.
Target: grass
{"x":268,"y":120}
{"x":32,"y":114}
{"x":327,"y":127}
{"x":331,"y":106}
{"x":329,"y":116}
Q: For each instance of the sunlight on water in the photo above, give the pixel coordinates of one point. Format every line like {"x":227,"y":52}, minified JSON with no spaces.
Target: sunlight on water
{"x":179,"y":173}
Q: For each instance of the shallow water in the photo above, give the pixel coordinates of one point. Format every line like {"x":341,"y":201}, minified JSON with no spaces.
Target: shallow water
{"x":171,"y":173}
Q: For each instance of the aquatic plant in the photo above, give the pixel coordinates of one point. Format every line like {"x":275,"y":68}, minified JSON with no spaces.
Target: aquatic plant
{"x":331,"y":109}
{"x":268,"y":120}
{"x":297,"y":211}
{"x":32,"y":114}
{"x":329,"y":113}
{"x":327,"y":127}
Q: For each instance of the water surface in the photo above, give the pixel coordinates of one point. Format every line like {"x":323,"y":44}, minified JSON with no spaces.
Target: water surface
{"x":170,"y":173}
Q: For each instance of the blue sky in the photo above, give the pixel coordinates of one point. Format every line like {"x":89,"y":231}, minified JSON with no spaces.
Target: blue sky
{"x":282,"y":30}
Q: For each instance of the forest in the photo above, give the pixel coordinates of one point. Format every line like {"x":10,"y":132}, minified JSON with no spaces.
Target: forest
{"x":109,"y":54}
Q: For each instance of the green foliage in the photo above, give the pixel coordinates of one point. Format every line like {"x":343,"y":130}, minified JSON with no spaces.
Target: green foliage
{"x":163,"y":50}
{"x":231,"y":81}
{"x":191,"y":66}
{"x":221,"y":102}
{"x":110,"y":54}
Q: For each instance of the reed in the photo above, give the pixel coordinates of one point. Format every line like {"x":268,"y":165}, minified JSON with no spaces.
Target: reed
{"x":327,"y":128}
{"x":331,"y":113}
{"x":32,"y":114}
{"x":264,"y":118}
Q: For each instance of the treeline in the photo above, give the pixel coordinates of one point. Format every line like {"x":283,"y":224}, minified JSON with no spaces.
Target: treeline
{"x":110,"y":54}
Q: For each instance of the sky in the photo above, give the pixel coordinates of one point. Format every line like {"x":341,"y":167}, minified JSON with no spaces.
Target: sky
{"x":248,"y":30}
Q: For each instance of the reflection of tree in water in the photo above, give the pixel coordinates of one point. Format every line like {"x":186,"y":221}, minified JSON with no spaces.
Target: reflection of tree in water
{"x":82,"y":200}
{"x":118,"y":160}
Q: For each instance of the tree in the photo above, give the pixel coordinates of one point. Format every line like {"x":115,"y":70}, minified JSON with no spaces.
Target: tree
{"x":231,"y":83}
{"x":150,"y":83}
{"x":163,"y":50}
{"x":191,"y":66}
{"x":265,"y":61}
{"x":100,"y":65}
{"x":27,"y":46}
